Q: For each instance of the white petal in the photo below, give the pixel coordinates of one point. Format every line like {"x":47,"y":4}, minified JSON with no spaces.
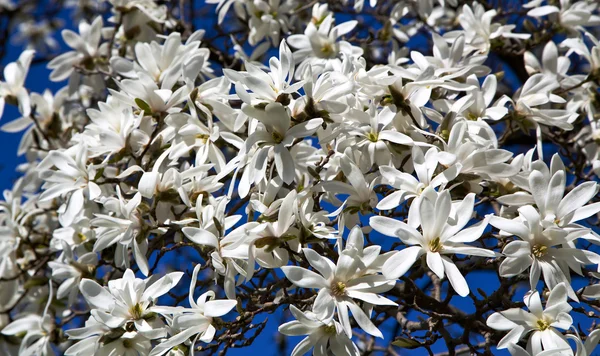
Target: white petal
{"x":304,"y":278}
{"x":434,"y":262}
{"x":363,"y":320}
{"x":400,"y":263}
{"x":96,"y":296}
{"x":217,"y":308}
{"x":457,"y":280}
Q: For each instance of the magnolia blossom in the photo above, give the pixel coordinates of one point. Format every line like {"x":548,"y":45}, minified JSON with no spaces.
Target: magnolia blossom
{"x":73,"y":175}
{"x":571,"y":16}
{"x":196,"y":321}
{"x":70,"y":270}
{"x":539,"y":323}
{"x":13,"y":86}
{"x":86,"y":47}
{"x":339,"y":285}
{"x":548,"y":251}
{"x":408,"y":186}
{"x":320,"y":48}
{"x":230,"y":249}
{"x":322,"y":335}
{"x":442,"y":223}
{"x":480,"y":31}
{"x":37,"y":330}
{"x":360,"y":195}
{"x":278,"y":135}
{"x":532,"y":106}
{"x":129,"y":300}
{"x":122,"y":230}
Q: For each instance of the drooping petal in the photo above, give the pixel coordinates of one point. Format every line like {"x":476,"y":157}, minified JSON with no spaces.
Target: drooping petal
{"x":457,"y":280}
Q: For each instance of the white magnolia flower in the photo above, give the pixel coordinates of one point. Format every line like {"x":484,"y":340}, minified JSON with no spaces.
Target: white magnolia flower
{"x":113,"y":129}
{"x":539,"y":323}
{"x":376,"y":134}
{"x":552,"y":64}
{"x":47,"y":106}
{"x":128,"y":344}
{"x":230,"y":248}
{"x":360,"y":197}
{"x":268,"y":18}
{"x":571,"y":17}
{"x":545,"y":186}
{"x":73,"y":175}
{"x":278,"y":134}
{"x":442,"y":223}
{"x":478,"y":103}
{"x":36,"y":331}
{"x":90,"y":336}
{"x":320,"y":48}
{"x":272,"y":86}
{"x":13,"y":88}
{"x":167,"y":63}
{"x":196,"y":321}
{"x":122,"y":229}
{"x":270,"y":240}
{"x":577,"y":45}
{"x":548,"y":251}
{"x":129,"y":300}
{"x":69,"y":270}
{"x":448,"y":62}
{"x":556,"y":209}
{"x":97,"y":339}
{"x":192,"y":134}
{"x":532,"y":106}
{"x":145,"y":95}
{"x":479,"y":29}
{"x":314,"y":223}
{"x":339,"y":285}
{"x":86,"y":49}
{"x":324,"y":336}
{"x":408,"y":186}
{"x":324,"y":95}
{"x":476,"y":153}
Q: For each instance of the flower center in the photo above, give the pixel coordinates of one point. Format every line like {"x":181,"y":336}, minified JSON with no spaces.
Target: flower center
{"x":435,"y":245}
{"x":338,"y":289}
{"x":277,"y":137}
{"x":330,"y":329}
{"x":127,"y":343}
{"x":202,"y":137}
{"x":136,"y":311}
{"x":539,"y":250}
{"x":372,"y":136}
{"x":81,"y":237}
{"x":472,"y":116}
{"x":542,"y":324}
{"x":327,"y":50}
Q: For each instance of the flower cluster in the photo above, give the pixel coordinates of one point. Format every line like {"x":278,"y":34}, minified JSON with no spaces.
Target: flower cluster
{"x":337,"y":174}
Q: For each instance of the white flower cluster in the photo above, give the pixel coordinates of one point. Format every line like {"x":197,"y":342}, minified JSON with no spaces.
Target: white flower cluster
{"x":349,"y":187}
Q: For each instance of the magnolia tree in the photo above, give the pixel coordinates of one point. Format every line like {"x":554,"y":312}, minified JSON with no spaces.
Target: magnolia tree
{"x":386,"y":177}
